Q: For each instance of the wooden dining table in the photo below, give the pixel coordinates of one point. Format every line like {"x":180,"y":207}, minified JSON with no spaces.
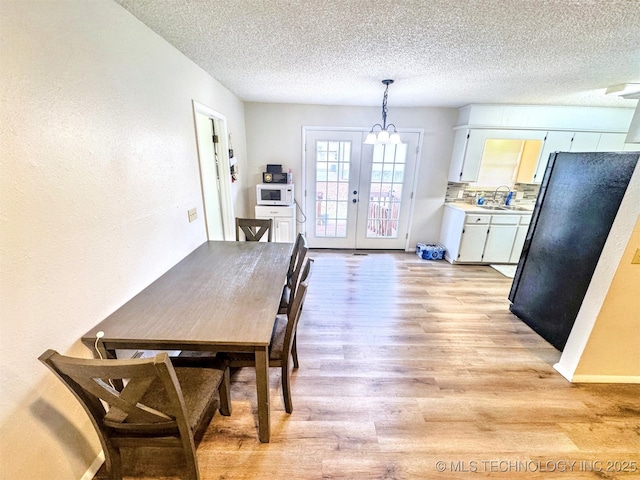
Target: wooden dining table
{"x":222,"y":297}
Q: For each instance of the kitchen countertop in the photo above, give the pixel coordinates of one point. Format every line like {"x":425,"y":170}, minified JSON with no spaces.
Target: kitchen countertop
{"x":469,"y":208}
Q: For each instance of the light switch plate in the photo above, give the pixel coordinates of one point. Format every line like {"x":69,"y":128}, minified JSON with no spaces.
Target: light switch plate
{"x":193,"y":214}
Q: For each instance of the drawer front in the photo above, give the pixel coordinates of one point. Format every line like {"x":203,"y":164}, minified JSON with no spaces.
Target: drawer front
{"x":525,"y":219}
{"x":505,"y":219}
{"x":477,"y":219}
{"x":271,"y":211}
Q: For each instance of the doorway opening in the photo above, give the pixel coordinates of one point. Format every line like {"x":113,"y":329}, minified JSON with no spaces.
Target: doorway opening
{"x":215,"y":177}
{"x":358,"y":196}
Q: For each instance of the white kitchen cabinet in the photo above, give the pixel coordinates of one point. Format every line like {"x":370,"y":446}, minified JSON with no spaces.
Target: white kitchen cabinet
{"x":454,"y":221}
{"x":473,"y":237}
{"x":521,"y":234}
{"x":472,"y":242}
{"x":284,"y":221}
{"x":615,"y":142}
{"x":553,"y":142}
{"x":561,"y":141}
{"x":500,"y":238}
{"x":458,"y":156}
{"x":585,"y":142}
{"x":464,"y":235}
{"x":611,"y":142}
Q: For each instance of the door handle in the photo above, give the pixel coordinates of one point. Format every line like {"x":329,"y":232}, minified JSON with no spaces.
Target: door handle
{"x":355,"y":200}
{"x":355,"y":192}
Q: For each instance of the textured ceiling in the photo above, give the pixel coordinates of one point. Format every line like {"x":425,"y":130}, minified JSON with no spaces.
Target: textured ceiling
{"x":444,"y":53}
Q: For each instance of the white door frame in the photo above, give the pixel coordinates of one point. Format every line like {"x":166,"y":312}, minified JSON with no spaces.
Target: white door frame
{"x":207,"y":165}
{"x":414,"y":184}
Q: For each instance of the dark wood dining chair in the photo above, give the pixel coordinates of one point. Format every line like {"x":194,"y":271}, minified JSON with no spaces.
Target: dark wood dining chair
{"x":283,"y":345}
{"x":145,"y":402}
{"x":283,"y":340}
{"x":254,"y":229}
{"x":298,"y":256}
{"x":303,"y":279}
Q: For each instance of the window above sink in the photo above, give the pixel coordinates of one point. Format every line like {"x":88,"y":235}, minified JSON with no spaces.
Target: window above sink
{"x":507,"y":161}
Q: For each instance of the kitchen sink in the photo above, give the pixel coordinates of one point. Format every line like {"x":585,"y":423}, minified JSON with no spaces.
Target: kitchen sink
{"x":492,"y":207}
{"x":505,"y":208}
{"x":515,"y":207}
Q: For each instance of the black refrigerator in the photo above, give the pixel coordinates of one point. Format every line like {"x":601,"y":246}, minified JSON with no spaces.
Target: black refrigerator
{"x":578,"y":200}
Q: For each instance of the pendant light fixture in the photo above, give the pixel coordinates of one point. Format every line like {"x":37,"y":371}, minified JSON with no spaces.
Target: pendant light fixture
{"x":385,"y":135}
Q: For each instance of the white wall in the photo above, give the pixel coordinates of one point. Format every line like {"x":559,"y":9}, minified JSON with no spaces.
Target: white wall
{"x":274,"y":135}
{"x":99,"y":167}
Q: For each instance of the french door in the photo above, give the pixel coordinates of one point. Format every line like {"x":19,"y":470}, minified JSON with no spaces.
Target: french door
{"x":358,"y":196}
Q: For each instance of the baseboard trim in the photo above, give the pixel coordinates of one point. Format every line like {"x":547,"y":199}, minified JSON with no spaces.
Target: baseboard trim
{"x":606,"y":379}
{"x":595,"y":378}
{"x":94,"y":467}
{"x":564,"y":372}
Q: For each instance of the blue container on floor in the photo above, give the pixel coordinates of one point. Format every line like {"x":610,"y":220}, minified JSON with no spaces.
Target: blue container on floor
{"x":430,"y":251}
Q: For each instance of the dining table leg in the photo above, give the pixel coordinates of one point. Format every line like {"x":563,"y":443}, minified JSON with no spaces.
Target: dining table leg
{"x":262,"y":387}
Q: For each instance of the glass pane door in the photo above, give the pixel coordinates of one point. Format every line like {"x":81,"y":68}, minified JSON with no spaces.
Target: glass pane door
{"x":357,"y":196}
{"x":332,"y":171}
{"x":385,"y":190}
{"x":387,"y":176}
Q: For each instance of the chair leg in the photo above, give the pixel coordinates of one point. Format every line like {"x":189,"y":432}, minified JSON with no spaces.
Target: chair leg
{"x":294,"y":352}
{"x":191,"y":470}
{"x":286,"y":388}
{"x":225,"y":394}
{"x":113,"y":463}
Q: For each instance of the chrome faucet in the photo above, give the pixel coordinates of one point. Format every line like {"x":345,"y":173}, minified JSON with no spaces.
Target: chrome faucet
{"x":496,"y":192}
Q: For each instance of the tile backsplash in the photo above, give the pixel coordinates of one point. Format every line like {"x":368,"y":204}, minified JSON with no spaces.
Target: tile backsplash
{"x":524,"y":193}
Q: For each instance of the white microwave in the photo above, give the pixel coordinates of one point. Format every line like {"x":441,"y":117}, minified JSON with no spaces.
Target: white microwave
{"x":274,"y":193}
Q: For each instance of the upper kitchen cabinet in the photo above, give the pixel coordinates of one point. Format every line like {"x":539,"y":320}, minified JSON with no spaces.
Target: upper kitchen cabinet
{"x":557,"y":141}
{"x":529,"y":134}
{"x":613,"y":142}
{"x":600,"y":142}
{"x":584,"y":142}
{"x":465,"y":162}
{"x":553,"y":142}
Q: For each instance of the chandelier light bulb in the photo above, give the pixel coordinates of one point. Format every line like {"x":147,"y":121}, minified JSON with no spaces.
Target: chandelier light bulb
{"x":371,"y":139}
{"x":395,"y":138}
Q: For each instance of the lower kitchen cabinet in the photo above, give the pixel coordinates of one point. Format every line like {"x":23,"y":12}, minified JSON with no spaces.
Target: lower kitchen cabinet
{"x":502,"y":233}
{"x":483,"y":238}
{"x":473,"y":238}
{"x":284,"y":221}
{"x":521,"y":234}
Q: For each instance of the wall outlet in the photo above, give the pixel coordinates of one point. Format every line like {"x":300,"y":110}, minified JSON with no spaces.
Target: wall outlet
{"x":193,"y":214}
{"x":460,"y":193}
{"x":519,"y":195}
{"x":636,"y":256}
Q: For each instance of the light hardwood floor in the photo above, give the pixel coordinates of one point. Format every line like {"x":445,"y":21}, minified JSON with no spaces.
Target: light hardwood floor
{"x":405,"y":363}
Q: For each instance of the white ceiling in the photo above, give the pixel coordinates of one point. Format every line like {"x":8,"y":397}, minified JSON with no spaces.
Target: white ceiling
{"x":441,"y":53}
